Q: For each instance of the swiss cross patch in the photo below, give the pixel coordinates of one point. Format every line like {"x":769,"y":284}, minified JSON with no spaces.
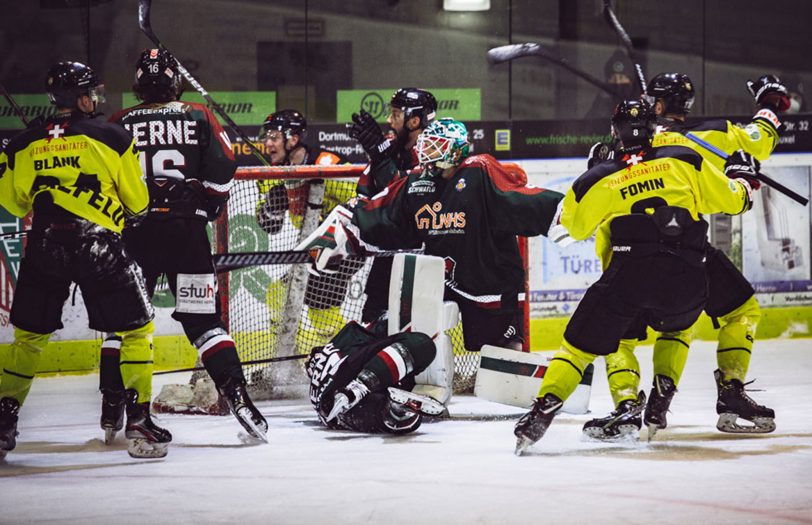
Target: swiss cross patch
{"x":633,"y":160}
{"x":55,"y":131}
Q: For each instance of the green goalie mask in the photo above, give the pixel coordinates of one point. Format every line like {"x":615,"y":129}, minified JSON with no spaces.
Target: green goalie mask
{"x":444,"y":144}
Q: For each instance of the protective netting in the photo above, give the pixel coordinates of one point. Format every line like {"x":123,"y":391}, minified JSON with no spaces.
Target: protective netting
{"x":280,"y":310}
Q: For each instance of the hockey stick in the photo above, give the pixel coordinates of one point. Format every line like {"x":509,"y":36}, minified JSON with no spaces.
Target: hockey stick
{"x":146,"y":28}
{"x":17,"y":109}
{"x":14,"y":234}
{"x":769,"y":181}
{"x":500,"y":54}
{"x":244,"y":363}
{"x":225,"y":262}
{"x":613,"y":21}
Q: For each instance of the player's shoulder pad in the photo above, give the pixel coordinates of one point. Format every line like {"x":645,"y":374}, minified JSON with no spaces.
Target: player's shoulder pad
{"x":718,"y":124}
{"x":594,"y":175}
{"x":112,"y":135}
{"x":22,"y":140}
{"x":681,"y":153}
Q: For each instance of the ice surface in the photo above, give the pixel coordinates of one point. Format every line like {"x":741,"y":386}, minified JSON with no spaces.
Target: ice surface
{"x":458,"y":471}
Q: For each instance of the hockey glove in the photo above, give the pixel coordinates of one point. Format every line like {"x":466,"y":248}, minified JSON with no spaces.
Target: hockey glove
{"x":769,"y":93}
{"x":271,"y":210}
{"x":743,"y":167}
{"x":598,"y":153}
{"x":368,"y":133}
{"x":332,"y":242}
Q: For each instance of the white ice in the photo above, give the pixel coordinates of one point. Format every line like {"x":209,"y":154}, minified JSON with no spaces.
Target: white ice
{"x":457,"y":471}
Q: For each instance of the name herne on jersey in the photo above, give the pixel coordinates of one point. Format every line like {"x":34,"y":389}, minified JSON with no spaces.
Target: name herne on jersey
{"x":431,"y":219}
{"x":163,"y":132}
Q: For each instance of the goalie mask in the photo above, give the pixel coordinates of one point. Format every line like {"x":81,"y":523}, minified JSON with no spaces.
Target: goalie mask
{"x":675,"y":90}
{"x":68,"y":81}
{"x":442,"y":145}
{"x":633,"y":124}
{"x":156,"y":77}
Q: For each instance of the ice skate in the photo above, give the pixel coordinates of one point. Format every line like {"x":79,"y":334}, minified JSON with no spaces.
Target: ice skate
{"x":401,"y":418}
{"x":146,"y":439}
{"x":623,"y":422}
{"x":532,"y":426}
{"x":658,"y":402}
{"x":243,"y":408}
{"x":112,"y":413}
{"x":9,"y":407}
{"x":734,"y":404}
{"x":347,"y":398}
{"x":428,"y":406}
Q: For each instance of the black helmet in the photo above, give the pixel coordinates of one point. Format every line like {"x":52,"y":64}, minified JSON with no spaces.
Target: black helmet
{"x":156,"y":77}
{"x":633,"y":124}
{"x":675,"y":90}
{"x":415,"y":102}
{"x":67,"y":81}
{"x":290,"y":121}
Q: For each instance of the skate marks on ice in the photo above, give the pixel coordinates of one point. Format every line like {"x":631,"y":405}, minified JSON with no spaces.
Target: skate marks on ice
{"x":24,"y":459}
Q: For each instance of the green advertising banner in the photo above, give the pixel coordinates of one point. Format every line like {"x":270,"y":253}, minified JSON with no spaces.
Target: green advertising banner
{"x":246,"y":108}
{"x":461,"y":104}
{"x":31,"y":105}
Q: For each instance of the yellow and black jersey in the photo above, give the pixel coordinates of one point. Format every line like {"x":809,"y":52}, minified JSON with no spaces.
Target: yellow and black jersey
{"x":79,"y":164}
{"x":666,"y":176}
{"x":759,"y":138}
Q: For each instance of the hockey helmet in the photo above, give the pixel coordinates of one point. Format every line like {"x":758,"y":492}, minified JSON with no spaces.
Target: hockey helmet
{"x":156,"y":76}
{"x":67,"y":81}
{"x":675,"y":90}
{"x":288,"y":121}
{"x":633,"y":124}
{"x":415,"y":102}
{"x":443,"y":144}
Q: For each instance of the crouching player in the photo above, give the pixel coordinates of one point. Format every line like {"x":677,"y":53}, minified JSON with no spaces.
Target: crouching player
{"x":361,"y":380}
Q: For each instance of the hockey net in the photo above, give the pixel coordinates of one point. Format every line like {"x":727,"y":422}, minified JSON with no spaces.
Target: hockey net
{"x":281,"y":310}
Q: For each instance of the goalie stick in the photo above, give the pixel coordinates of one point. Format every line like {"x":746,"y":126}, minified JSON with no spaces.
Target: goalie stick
{"x":17,"y":109}
{"x":500,"y":54}
{"x":146,"y":28}
{"x":225,"y":262}
{"x":244,"y":363}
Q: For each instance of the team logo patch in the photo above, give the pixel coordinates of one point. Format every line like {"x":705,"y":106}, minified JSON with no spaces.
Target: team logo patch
{"x":733,"y":186}
{"x":460,"y":185}
{"x":753,"y":132}
{"x":196,"y":293}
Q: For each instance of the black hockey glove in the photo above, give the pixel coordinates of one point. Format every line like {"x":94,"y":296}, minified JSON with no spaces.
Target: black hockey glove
{"x":770,"y":93}
{"x":215,"y":204}
{"x":271,"y":210}
{"x":742,"y":165}
{"x":598,"y":153}
{"x":368,"y":133}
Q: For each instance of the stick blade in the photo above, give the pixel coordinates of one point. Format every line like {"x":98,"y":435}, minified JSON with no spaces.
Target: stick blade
{"x":500,"y":54}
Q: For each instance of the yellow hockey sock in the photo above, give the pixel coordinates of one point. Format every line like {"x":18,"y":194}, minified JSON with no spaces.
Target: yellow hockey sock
{"x":565,"y":371}
{"x":671,"y":353}
{"x":623,"y":372}
{"x":21,"y":365}
{"x":736,"y":335}
{"x":136,"y":361}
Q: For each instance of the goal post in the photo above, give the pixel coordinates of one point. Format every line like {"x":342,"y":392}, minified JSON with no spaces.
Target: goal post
{"x":283,"y":309}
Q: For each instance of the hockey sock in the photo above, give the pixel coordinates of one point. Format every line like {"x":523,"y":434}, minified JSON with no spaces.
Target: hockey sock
{"x":736,"y":335}
{"x":136,"y":361}
{"x":565,"y":371}
{"x":219,"y":355}
{"x":388,"y":367}
{"x":21,"y":366}
{"x":109,"y":364}
{"x":671,"y":353}
{"x":623,"y":372}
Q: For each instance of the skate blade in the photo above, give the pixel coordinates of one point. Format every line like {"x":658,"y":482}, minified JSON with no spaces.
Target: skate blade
{"x":522,"y":444}
{"x":652,"y":430}
{"x":109,"y":435}
{"x":141,"y":448}
{"x":3,"y":454}
{"x":729,"y":423}
{"x":426,"y":405}
{"x":625,"y":433}
{"x":244,"y":416}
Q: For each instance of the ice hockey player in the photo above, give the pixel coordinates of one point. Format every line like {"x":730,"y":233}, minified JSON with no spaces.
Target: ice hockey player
{"x":644,"y":208}
{"x":188,"y":165}
{"x":284,"y":133}
{"x":467,"y":210}
{"x":81,"y":178}
{"x":731,"y":300}
{"x":411,"y":111}
{"x":361,"y":380}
